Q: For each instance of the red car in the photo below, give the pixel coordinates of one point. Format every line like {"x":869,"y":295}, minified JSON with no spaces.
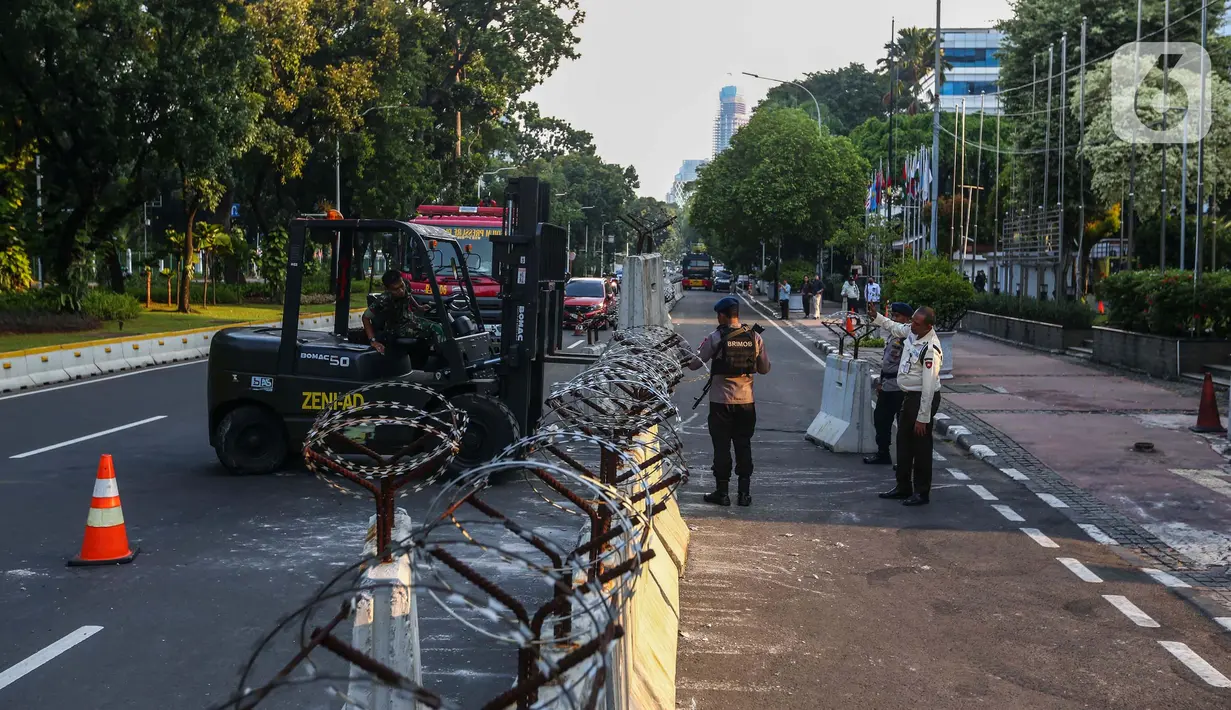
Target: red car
{"x":587,"y":299}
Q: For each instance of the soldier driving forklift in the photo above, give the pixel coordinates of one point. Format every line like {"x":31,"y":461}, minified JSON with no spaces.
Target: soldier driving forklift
{"x":267,"y":384}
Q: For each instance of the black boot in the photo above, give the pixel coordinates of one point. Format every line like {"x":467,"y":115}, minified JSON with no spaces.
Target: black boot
{"x":719,"y":496}
{"x":745,"y":497}
{"x":878,"y":459}
{"x":916,"y":499}
{"x":896,"y":494}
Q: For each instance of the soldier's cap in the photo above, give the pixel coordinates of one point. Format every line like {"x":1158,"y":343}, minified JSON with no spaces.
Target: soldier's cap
{"x":902,"y":308}
{"x":725,"y":303}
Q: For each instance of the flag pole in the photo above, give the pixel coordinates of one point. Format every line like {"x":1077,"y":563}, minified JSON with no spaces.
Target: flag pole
{"x":936,"y":84}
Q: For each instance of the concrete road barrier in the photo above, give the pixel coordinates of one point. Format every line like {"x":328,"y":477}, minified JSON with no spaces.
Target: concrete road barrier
{"x":26,"y":369}
{"x":845,"y":423}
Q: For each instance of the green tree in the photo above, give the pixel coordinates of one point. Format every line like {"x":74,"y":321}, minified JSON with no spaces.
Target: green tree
{"x":913,"y":55}
{"x":780,"y":183}
{"x":848,"y":96}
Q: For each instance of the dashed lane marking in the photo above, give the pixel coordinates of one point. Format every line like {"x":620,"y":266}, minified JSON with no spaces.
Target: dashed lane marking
{"x":1097,"y":534}
{"x":87,"y":437}
{"x":579,"y":342}
{"x":1196,"y":664}
{"x":1052,"y":500}
{"x":1131,"y":610}
{"x":982,"y":492}
{"x":1009,"y":514}
{"x":1083,"y":573}
{"x":1165,"y":579}
{"x":1014,"y":474}
{"x":958,"y":475}
{"x":800,"y":345}
{"x":937,"y":457}
{"x":1210,"y":478}
{"x":1038,"y":536}
{"x":14,"y":673}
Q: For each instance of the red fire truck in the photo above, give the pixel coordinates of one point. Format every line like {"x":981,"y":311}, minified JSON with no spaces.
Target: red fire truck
{"x":472,"y":226}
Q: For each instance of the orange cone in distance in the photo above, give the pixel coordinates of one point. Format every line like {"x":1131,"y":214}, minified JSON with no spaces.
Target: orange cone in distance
{"x":106,"y":539}
{"x":850,"y":325}
{"x":1101,"y":310}
{"x":1207,"y":415}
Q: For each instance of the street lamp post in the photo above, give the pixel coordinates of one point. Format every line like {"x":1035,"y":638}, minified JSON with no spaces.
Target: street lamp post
{"x":820,"y":126}
{"x":602,"y":248}
{"x":583,"y":209}
{"x":478,"y":191}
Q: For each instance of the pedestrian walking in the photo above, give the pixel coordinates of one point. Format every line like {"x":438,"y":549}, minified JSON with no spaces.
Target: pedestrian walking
{"x":919,"y":378}
{"x":735,"y":352}
{"x":850,"y":294}
{"x":805,"y":290}
{"x":889,"y":393}
{"x":784,"y":299}
{"x":818,"y":295}
{"x":872,"y":294}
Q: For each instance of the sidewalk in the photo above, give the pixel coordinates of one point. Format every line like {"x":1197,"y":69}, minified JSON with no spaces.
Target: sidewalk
{"x":1068,"y":427}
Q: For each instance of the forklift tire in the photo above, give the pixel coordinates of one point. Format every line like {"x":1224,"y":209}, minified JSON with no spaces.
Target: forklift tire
{"x":492,"y":428}
{"x":251,"y":441}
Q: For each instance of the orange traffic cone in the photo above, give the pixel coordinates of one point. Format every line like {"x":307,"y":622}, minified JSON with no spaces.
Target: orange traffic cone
{"x":106,"y":540}
{"x":850,"y":325}
{"x":1208,"y":421}
{"x":1101,"y":310}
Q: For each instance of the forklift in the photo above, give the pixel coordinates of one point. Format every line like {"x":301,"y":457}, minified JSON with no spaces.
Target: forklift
{"x":268,"y":384}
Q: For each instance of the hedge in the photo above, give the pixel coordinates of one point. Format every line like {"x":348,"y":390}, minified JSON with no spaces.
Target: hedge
{"x":1167,"y":303}
{"x":1069,"y":314}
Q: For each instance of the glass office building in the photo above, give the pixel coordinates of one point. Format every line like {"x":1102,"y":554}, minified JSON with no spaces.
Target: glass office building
{"x":732,"y":115}
{"x":975,"y":69}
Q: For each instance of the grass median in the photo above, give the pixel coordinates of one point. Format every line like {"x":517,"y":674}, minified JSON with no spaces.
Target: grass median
{"x":165,"y":319}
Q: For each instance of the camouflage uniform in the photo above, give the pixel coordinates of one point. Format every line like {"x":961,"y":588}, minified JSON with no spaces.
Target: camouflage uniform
{"x":394,"y":318}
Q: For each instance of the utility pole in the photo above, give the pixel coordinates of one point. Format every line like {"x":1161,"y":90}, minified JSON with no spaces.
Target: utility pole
{"x":1079,"y":264}
{"x":893,"y":109}
{"x":1200,"y":153}
{"x":1061,"y":149}
{"x":1162,"y":204}
{"x":1129,"y":214}
{"x":936,"y":73}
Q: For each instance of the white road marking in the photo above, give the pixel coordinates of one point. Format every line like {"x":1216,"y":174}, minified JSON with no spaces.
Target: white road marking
{"x":1014,"y":474}
{"x":1224,"y":621}
{"x":1196,"y":664}
{"x":1097,"y":535}
{"x":982,"y":492}
{"x":1211,"y":479}
{"x":1129,"y":609}
{"x":92,"y":380}
{"x":1009,"y":514}
{"x":87,"y":437}
{"x":936,"y":456}
{"x":14,"y":673}
{"x":958,"y":475}
{"x":1038,"y":536}
{"x":579,"y":342}
{"x":1165,"y":579}
{"x":1052,"y":500}
{"x":774,"y":323}
{"x":1083,"y":573}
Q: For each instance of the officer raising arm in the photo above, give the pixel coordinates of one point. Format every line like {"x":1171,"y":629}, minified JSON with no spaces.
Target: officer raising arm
{"x":919,"y":378}
{"x":736,"y":353}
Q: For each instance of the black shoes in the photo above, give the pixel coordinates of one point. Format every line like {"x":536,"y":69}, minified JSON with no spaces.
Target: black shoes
{"x":916,"y":499}
{"x":718,"y":498}
{"x":745,"y":499}
{"x":878,"y":459}
{"x":896,"y":494}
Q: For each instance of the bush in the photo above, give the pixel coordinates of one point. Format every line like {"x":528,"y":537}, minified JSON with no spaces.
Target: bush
{"x":869,"y":341}
{"x":1167,"y":303}
{"x":933,"y":282}
{"x":39,"y":311}
{"x":105,"y":305}
{"x":1069,"y":314}
{"x":15,"y":273}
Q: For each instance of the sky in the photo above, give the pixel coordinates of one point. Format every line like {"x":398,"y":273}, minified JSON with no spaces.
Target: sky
{"x":647,"y":82}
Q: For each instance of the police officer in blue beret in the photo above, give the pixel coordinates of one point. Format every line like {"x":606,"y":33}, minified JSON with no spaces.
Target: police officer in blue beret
{"x":735,"y":352}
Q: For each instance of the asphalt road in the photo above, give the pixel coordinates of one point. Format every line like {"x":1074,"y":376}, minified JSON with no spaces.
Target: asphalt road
{"x":222,"y":558}
{"x":821,"y":595}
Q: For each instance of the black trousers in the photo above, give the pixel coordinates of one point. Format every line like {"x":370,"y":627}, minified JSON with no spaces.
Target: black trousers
{"x":732,"y":426}
{"x":914,"y":450}
{"x":786,"y":309}
{"x":807,"y":305}
{"x":888,"y":404}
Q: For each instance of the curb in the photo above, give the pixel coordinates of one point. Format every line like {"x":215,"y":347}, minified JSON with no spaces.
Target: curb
{"x":39,"y":367}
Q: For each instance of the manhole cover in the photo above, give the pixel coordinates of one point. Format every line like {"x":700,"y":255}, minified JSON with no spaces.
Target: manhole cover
{"x":967,"y":388}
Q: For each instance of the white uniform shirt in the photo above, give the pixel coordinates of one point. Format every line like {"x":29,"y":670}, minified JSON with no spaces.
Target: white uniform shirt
{"x":850,"y":290}
{"x":873,"y":293}
{"x":919,"y":370}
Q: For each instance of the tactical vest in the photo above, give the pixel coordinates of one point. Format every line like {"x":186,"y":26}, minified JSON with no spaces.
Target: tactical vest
{"x":737,"y":352}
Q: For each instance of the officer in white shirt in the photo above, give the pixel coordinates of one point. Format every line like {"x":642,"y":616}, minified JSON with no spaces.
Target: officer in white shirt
{"x":919,"y":378}
{"x":850,"y":294}
{"x":872,"y":294}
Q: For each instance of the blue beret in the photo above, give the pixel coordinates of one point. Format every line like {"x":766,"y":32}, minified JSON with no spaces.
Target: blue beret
{"x":725,"y":303}
{"x":902,"y":308}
